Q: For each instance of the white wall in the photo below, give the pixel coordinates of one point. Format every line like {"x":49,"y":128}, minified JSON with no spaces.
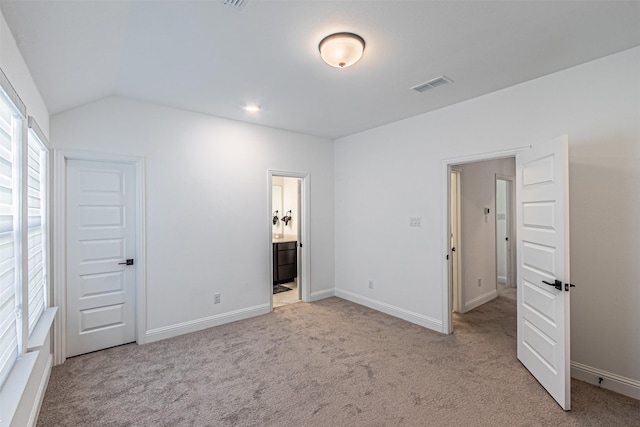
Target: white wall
{"x":478,"y":251}
{"x":16,"y":70}
{"x":276,"y":204}
{"x":14,"y":67}
{"x":207,"y":206}
{"x":387,"y":174}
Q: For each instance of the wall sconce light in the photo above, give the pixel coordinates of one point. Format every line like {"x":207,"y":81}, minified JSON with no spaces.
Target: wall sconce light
{"x":275,"y":218}
{"x":341,"y":50}
{"x":286,"y":218}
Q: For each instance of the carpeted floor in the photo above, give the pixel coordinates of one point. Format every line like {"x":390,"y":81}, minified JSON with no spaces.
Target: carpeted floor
{"x":330,"y":363}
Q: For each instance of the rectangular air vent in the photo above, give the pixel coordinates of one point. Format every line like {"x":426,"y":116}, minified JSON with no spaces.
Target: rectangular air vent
{"x":432,"y":84}
{"x":236,"y":4}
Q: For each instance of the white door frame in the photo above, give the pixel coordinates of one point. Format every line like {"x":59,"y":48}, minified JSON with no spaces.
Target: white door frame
{"x":511,"y":229}
{"x":447,"y":290}
{"x":456,"y":287}
{"x":60,"y":157}
{"x":304,"y":279}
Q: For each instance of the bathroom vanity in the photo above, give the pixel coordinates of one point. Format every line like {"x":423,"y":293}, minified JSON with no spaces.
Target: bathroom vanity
{"x":285,"y":260}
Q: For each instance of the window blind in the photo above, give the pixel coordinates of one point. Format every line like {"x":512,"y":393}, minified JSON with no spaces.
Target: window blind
{"x":36,"y":233}
{"x":10,"y":327}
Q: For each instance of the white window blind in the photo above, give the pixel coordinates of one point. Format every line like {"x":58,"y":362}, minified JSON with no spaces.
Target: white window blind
{"x":10,"y":293}
{"x":36,"y":233}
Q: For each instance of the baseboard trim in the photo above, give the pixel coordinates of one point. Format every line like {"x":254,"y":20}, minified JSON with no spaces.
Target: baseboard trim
{"x":613,"y":382}
{"x":42,"y":387}
{"x":478,"y":301}
{"x":317,"y":296}
{"x":502,"y":280}
{"x":410,"y":316}
{"x":171,"y":331}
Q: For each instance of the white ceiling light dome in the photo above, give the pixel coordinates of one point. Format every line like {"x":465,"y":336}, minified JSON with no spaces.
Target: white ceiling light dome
{"x":341,"y":50}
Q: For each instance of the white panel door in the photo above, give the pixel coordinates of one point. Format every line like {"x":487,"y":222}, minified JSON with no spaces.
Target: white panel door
{"x":543,"y":256}
{"x":101,"y":234}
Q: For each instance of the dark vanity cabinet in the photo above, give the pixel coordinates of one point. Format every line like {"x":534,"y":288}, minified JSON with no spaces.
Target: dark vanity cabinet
{"x":285,"y":262}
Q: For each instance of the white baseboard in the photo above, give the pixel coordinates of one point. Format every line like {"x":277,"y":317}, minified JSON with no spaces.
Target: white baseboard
{"x":613,"y":382}
{"x":170,"y":331}
{"x":478,"y":301}
{"x":410,"y":316}
{"x":502,"y":280}
{"x":317,"y":296}
{"x":42,"y":387}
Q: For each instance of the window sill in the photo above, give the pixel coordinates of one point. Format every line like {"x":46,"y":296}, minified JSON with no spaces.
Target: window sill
{"x":41,"y":331}
{"x":14,"y":386}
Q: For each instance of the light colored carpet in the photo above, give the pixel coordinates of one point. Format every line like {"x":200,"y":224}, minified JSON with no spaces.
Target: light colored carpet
{"x":330,"y":363}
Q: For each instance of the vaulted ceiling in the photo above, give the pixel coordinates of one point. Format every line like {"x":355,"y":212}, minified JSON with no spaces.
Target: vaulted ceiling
{"x":212,"y":58}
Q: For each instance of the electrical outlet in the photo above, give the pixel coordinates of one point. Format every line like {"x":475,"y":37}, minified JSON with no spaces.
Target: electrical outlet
{"x":479,"y":282}
{"x":415,"y":221}
{"x":370,"y":284}
{"x":216,"y":298}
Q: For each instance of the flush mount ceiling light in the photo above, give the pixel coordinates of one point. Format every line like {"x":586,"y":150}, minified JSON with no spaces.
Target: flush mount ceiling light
{"x":341,"y":50}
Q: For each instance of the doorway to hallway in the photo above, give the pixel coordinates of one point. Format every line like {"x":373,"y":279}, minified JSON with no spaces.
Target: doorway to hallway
{"x":477,"y":213}
{"x":543,"y":282}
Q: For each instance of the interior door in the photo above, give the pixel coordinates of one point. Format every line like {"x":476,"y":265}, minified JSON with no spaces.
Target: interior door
{"x":100,"y":305}
{"x":505,"y":245}
{"x":299,"y":234}
{"x":543,"y":257}
{"x":456,"y":270}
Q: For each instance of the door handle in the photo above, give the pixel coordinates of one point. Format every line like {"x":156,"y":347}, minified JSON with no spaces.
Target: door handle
{"x":557,"y":284}
{"x":127,"y":262}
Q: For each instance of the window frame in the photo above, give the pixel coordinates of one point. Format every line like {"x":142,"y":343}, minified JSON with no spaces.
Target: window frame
{"x":36,"y":135}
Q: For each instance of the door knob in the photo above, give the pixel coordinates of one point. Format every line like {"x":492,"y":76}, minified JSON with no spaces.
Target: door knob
{"x":557,"y":284}
{"x":127,"y":262}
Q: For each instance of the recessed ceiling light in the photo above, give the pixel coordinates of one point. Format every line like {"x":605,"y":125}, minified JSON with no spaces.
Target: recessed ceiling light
{"x":252,"y":108}
{"x":341,"y":50}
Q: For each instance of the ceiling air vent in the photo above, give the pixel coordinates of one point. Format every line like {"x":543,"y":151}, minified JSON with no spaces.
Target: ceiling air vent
{"x":235,"y":4}
{"x":432,"y":84}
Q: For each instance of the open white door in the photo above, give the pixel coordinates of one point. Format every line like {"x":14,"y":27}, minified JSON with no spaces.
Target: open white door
{"x":543,"y":266}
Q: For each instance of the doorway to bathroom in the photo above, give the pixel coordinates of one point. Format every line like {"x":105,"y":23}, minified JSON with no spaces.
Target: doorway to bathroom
{"x":288,"y":229}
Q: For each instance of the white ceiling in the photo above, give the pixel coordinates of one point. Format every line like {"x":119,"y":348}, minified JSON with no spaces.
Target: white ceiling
{"x":207,"y":57}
